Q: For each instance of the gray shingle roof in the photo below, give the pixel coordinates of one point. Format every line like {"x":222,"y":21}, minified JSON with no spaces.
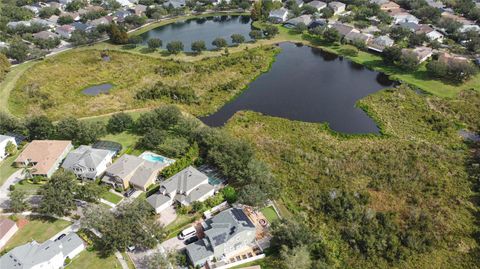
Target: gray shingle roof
{"x":87,"y":157}
{"x":184,"y":181}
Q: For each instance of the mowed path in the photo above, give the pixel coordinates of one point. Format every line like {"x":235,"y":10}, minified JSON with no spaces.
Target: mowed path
{"x":7,"y":85}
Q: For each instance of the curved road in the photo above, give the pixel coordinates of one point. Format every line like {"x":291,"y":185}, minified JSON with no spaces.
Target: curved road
{"x":4,"y":189}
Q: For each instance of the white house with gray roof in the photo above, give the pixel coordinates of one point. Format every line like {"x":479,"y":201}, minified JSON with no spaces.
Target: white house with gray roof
{"x":227,"y":233}
{"x":278,"y":15}
{"x":87,"y":162}
{"x":185,"y":187}
{"x":47,"y":255}
{"x":338,"y":7}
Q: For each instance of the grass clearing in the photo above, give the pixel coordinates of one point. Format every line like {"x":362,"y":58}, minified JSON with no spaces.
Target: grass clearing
{"x":53,"y":87}
{"x":126,"y":139}
{"x":111,"y":197}
{"x":39,"y":229}
{"x":269,"y":213}
{"x":91,"y":259}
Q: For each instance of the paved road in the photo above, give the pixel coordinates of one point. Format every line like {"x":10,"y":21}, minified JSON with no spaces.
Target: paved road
{"x":4,"y":189}
{"x":121,"y":260}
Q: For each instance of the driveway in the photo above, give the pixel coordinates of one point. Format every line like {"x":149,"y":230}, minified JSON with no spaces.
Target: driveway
{"x":4,"y":189}
{"x":173,"y":244}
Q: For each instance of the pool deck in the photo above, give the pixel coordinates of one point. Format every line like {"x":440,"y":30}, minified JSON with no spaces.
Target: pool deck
{"x":166,"y":160}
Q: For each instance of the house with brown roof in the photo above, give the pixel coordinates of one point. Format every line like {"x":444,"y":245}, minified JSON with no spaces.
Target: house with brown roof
{"x":44,"y":156}
{"x":422,"y":53}
{"x":389,"y":6}
{"x":7,"y":229}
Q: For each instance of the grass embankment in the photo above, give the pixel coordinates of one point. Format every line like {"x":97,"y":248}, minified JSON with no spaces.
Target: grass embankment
{"x":8,"y":84}
{"x":39,"y":229}
{"x":418,"y":78}
{"x":54,"y":86}
{"x":417,"y":167}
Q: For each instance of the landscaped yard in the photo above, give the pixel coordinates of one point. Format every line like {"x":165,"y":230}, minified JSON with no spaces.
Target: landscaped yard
{"x":90,"y":259}
{"x":6,"y":167}
{"x":111,"y":197}
{"x":126,"y":139}
{"x":269,"y":213}
{"x":39,"y":229}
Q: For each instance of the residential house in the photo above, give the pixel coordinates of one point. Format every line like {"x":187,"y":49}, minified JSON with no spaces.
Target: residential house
{"x":319,"y":5}
{"x":87,"y":162}
{"x":338,"y":7}
{"x":82,"y":26}
{"x":226,"y":234}
{"x":389,"y":6}
{"x":53,"y":19}
{"x":121,"y":15}
{"x":185,"y":187}
{"x":431,"y":33}
{"x":140,"y":10}
{"x":469,"y":27}
{"x":317,"y":22}
{"x":305,"y":19}
{"x":125,"y":3}
{"x":7,"y":229}
{"x":436,"y":4}
{"x":132,"y":171}
{"x":422,"y":53}
{"x":74,"y":15}
{"x":49,"y":255}
{"x":45,"y":23}
{"x":448,"y":58}
{"x":380,"y":43}
{"x":4,"y":141}
{"x":33,"y":8}
{"x":412,"y":27}
{"x":299,"y":3}
{"x":65,"y":31}
{"x":15,"y":24}
{"x":404,"y":17}
{"x":44,"y":156}
{"x":100,"y":21}
{"x":278,"y":15}
{"x":45,"y":35}
{"x":175,"y":3}
{"x":355,"y":36}
{"x":379,"y":2}
{"x":343,"y":29}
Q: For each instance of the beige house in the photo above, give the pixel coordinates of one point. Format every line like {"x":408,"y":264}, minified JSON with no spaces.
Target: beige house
{"x":44,"y":156}
{"x":132,"y":171}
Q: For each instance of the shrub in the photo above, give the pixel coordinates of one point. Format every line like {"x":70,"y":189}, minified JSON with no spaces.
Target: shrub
{"x":183,"y":94}
{"x":175,"y":47}
{"x":119,"y":122}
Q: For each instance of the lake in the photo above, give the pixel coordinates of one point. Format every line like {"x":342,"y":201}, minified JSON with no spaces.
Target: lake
{"x":206,"y":29}
{"x":311,"y":85}
{"x":97,"y":89}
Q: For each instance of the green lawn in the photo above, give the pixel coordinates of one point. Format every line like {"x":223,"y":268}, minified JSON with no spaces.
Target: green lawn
{"x":39,"y":229}
{"x":91,"y":259}
{"x":111,"y":197}
{"x":269,"y":213}
{"x":7,"y":168}
{"x":180,"y":223}
{"x":127,"y":140}
{"x":28,"y":187}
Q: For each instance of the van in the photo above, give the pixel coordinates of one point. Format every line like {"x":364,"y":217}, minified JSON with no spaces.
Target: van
{"x":187,"y":233}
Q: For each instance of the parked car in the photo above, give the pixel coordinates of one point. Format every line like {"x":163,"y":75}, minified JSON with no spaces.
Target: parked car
{"x":60,"y":237}
{"x":129,"y":192}
{"x":191,"y":240}
{"x":187,"y":233}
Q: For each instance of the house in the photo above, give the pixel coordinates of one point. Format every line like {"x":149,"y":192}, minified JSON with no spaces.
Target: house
{"x":431,"y":33}
{"x":278,"y":15}
{"x":65,"y":31}
{"x":125,"y":3}
{"x":389,"y":6}
{"x":4,"y":141}
{"x":226,"y":234}
{"x":74,"y":15}
{"x":343,"y":29}
{"x":140,"y":10}
{"x":319,"y":5}
{"x":175,"y":3}
{"x":44,"y":23}
{"x":448,"y":58}
{"x":99,"y":21}
{"x":305,"y":19}
{"x":299,"y":3}
{"x":469,"y":27}
{"x":132,"y":171}
{"x":338,"y":7}
{"x":44,"y":156}
{"x":44,"y":35}
{"x":379,"y":2}
{"x":412,"y":27}
{"x":436,"y":4}
{"x":32,"y":8}
{"x":82,"y":26}
{"x":121,"y":15}
{"x":317,"y":22}
{"x":380,"y":43}
{"x":422,"y":53}
{"x":7,"y":229}
{"x":403,"y":17}
{"x":355,"y":36}
{"x":15,"y":24}
{"x":53,"y":19}
{"x":185,"y":187}
{"x":87,"y":162}
{"x":50,"y":254}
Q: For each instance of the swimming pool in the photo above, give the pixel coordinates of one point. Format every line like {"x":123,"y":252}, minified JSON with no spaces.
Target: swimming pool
{"x":155,"y":158}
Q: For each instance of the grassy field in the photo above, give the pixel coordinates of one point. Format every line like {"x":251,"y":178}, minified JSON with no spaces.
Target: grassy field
{"x":418,"y":165}
{"x":269,"y":213}
{"x":8,"y":84}
{"x":91,"y":259}
{"x":39,"y":229}
{"x":111,"y":197}
{"x":54,"y":86}
{"x":127,"y":140}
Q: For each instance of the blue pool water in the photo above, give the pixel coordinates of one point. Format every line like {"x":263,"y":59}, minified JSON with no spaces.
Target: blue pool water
{"x":156,"y":158}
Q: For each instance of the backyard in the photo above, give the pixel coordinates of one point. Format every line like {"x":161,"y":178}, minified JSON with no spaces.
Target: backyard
{"x":269,"y":213}
{"x":39,"y":229}
{"x":91,"y":259}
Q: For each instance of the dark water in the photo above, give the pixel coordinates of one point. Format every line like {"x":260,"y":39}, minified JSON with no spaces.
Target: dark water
{"x":206,"y":29}
{"x":97,"y":89}
{"x":310,"y":85}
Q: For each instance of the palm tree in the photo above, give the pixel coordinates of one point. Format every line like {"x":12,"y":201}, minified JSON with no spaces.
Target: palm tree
{"x":28,"y":171}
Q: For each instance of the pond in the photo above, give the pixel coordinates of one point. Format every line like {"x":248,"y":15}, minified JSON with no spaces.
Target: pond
{"x":97,"y":89}
{"x":310,"y":85}
{"x":206,"y":29}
